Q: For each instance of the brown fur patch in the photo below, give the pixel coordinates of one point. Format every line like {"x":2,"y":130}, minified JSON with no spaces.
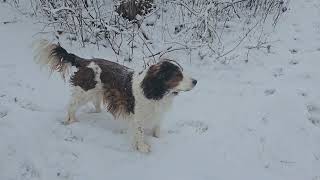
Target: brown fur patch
{"x":117,"y":87}
{"x":85,"y":78}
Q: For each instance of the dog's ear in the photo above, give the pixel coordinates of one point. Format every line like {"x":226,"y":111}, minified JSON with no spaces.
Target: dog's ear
{"x":154,"y":83}
{"x":160,"y":79}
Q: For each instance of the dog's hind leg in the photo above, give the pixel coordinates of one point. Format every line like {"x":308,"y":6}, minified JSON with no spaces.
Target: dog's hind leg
{"x":97,"y":102}
{"x":79,"y":97}
{"x":156,"y":131}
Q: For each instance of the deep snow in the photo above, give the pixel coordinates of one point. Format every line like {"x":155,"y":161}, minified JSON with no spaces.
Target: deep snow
{"x":255,"y":120}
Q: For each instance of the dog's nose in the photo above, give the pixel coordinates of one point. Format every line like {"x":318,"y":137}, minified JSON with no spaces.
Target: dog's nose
{"x":194,"y":82}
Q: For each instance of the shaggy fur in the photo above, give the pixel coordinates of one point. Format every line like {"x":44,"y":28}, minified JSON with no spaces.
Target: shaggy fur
{"x":141,"y":98}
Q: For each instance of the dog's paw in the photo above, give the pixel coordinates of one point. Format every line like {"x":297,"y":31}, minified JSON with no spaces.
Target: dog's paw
{"x":66,"y":123}
{"x":156,"y":134}
{"x":143,"y":147}
{"x":69,"y":121}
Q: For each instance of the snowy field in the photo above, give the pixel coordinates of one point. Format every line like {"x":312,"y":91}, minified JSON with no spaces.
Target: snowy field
{"x":249,"y":121}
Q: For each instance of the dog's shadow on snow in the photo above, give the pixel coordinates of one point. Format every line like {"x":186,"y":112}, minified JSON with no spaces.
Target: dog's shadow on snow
{"x":103,"y":120}
{"x":95,"y":127}
{"x":106,"y":121}
{"x":91,"y":120}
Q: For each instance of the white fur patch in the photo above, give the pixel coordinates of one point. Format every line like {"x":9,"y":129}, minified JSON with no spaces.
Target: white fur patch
{"x":97,"y":72}
{"x":186,"y":84}
{"x":80,"y":97}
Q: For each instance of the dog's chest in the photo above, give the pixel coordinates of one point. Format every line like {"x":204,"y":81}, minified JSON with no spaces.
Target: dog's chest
{"x":152,"y":112}
{"x":148,"y":109}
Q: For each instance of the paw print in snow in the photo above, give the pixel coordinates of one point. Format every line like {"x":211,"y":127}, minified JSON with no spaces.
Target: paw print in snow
{"x":198,"y":126}
{"x":314,"y":114}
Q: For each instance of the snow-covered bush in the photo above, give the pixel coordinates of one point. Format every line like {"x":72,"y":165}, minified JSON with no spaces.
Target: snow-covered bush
{"x":212,"y":28}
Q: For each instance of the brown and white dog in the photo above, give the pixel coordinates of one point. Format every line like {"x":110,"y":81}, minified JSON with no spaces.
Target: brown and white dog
{"x":141,"y":98}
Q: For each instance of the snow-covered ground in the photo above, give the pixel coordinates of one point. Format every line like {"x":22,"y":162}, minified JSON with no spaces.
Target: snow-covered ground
{"x":255,"y":120}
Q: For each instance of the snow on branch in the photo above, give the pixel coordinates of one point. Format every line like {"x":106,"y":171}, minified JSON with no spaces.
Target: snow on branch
{"x":156,"y":27}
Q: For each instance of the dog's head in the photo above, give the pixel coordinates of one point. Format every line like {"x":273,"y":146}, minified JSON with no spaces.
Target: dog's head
{"x":166,"y":77}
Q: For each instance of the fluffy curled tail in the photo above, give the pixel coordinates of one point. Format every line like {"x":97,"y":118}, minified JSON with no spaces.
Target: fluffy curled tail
{"x":55,"y":57}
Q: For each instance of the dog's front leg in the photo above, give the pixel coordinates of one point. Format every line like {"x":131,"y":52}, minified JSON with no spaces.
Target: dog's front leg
{"x":97,"y":102}
{"x":138,"y":136}
{"x":157,"y":125}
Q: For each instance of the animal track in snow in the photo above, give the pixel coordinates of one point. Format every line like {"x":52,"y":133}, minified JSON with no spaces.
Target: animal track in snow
{"x":27,"y":104}
{"x":294,"y":62}
{"x":269,"y":92}
{"x":3,"y":111}
{"x":293,"y":51}
{"x":314,"y":114}
{"x":64,"y":175}
{"x":278,"y":72}
{"x":29,"y":171}
{"x":73,"y":139}
{"x":198,"y":126}
{"x":302,"y":93}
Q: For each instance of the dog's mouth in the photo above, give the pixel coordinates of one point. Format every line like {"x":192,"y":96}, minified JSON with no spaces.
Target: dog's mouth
{"x":178,"y":91}
{"x":183,"y":90}
{"x":175,"y":93}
